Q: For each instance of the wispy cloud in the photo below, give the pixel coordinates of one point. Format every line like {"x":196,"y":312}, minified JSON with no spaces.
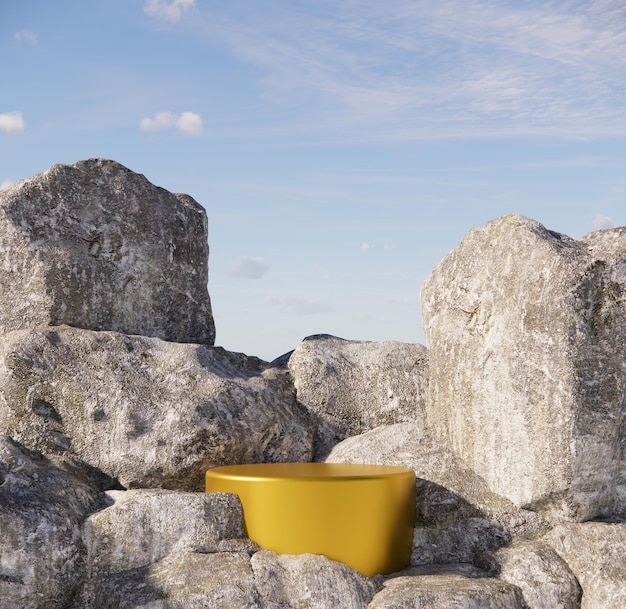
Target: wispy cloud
{"x":12,"y":122}
{"x":5,"y":184}
{"x":25,"y":37}
{"x":248,"y":267}
{"x":299,"y":306}
{"x":170,"y":11}
{"x":187,"y":123}
{"x":601,"y":222}
{"x":455,"y":68}
{"x":365,"y":247}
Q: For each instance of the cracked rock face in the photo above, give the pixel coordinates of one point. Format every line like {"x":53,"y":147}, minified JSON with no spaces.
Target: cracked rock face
{"x":147,"y":412}
{"x":526,"y":331}
{"x":95,"y":245}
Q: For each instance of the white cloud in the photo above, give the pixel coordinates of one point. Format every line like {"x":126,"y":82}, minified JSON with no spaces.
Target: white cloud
{"x":25,"y":37}
{"x":167,"y":11}
{"x":365,"y":247}
{"x":299,"y":306}
{"x":12,"y":122}
{"x":248,"y":267}
{"x":603,"y":222}
{"x":188,"y":123}
{"x":5,"y":184}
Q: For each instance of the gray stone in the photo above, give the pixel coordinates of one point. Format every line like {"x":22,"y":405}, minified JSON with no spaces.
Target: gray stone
{"x":94,"y":245}
{"x":464,"y":541}
{"x":147,"y":412}
{"x":42,"y":504}
{"x":309,"y":581}
{"x":595,"y":552}
{"x":354,"y":386}
{"x":526,"y":331}
{"x":540,"y":573}
{"x":448,"y":492}
{"x":143,"y":526}
{"x":444,"y":587}
{"x":181,"y":581}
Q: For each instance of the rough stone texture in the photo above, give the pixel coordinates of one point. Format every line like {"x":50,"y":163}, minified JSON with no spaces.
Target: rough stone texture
{"x":309,"y":581}
{"x":143,"y":526}
{"x":354,"y":386}
{"x":539,"y":572}
{"x":446,"y":587}
{"x":147,"y":412}
{"x":41,"y":507}
{"x":94,"y":245}
{"x":595,"y":552}
{"x":182,"y":581}
{"x":526,"y":331}
{"x":449,"y":495}
{"x":461,"y":542}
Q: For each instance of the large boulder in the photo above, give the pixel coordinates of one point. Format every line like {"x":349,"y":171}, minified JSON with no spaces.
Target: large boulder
{"x":42,"y":505}
{"x":526,"y":331}
{"x":354,"y":386}
{"x":594,"y":551}
{"x":147,"y":412}
{"x":94,"y":245}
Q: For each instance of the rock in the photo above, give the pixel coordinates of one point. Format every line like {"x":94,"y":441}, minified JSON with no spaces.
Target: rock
{"x":309,"y":581}
{"x":181,"y":581}
{"x":148,"y":413}
{"x":94,"y":245}
{"x":595,"y":552}
{"x":447,"y":588}
{"x":354,"y":386}
{"x":526,"y":329}
{"x":42,"y":505}
{"x":143,"y":526}
{"x":460,"y":542}
{"x":539,"y":572}
{"x":448,"y":492}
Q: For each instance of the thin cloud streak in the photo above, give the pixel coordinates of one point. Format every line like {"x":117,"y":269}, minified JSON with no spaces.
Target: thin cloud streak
{"x":451,"y":69}
{"x":12,"y":122}
{"x":170,"y":11}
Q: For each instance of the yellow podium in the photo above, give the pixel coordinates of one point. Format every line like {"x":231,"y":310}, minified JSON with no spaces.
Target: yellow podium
{"x":361,"y":515}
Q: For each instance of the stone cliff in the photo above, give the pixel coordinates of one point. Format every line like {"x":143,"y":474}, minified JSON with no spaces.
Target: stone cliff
{"x":114,"y":401}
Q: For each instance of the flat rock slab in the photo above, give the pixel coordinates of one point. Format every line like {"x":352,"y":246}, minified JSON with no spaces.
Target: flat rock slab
{"x":526,"y":330}
{"x":95,"y":245}
{"x":147,"y":412}
{"x":447,"y":590}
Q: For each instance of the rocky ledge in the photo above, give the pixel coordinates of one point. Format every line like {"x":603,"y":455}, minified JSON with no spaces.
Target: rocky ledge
{"x":114,"y":401}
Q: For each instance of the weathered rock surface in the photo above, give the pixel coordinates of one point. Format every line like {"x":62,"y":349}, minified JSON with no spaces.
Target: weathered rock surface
{"x":539,"y":572}
{"x":147,"y":412}
{"x":94,"y":245}
{"x":449,"y":495}
{"x":42,"y":559}
{"x":309,"y":581}
{"x":446,"y":587}
{"x":181,"y":581}
{"x":595,"y":552}
{"x":526,"y":331}
{"x":354,"y":386}
{"x":143,"y":527}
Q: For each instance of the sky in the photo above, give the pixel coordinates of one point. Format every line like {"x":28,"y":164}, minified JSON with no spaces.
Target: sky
{"x":341,"y":148}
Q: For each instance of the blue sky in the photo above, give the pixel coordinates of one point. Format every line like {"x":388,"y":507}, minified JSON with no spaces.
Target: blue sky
{"x":341,"y":148}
